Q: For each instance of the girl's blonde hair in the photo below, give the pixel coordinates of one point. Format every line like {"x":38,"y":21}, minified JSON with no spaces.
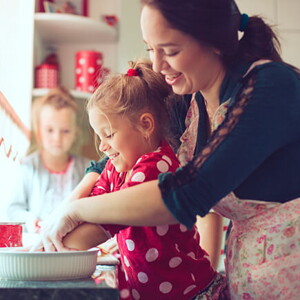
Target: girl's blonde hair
{"x":133,"y":95}
{"x":57,"y":98}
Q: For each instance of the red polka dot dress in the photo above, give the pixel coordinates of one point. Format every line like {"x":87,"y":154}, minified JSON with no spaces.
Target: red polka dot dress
{"x":159,"y":262}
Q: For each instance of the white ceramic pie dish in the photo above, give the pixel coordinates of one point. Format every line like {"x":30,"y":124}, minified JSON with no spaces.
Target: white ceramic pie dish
{"x":18,"y":265}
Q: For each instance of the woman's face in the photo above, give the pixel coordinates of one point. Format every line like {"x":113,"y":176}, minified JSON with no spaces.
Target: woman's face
{"x":187,"y":65}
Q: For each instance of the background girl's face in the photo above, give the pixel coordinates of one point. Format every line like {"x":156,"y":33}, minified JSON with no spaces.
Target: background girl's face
{"x":57,"y":130}
{"x":187,"y":65}
{"x":122,"y":142}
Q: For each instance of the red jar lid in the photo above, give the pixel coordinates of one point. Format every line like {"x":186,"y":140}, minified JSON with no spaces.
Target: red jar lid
{"x":47,"y":66}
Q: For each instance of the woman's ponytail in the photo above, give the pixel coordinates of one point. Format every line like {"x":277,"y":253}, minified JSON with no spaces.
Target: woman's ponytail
{"x":259,"y":41}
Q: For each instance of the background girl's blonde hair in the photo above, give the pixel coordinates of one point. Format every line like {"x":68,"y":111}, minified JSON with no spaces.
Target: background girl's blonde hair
{"x":57,"y":98}
{"x":134,"y":95}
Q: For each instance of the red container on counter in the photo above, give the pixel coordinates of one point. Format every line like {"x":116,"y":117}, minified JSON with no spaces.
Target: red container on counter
{"x":46,"y":76}
{"x":11,"y":234}
{"x":88,"y":70}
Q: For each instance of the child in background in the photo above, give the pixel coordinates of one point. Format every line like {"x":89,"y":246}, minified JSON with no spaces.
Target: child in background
{"x":129,"y":116}
{"x":49,"y":172}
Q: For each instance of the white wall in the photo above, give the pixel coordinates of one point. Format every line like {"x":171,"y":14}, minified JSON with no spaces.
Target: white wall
{"x":130,"y":44}
{"x":285,"y":15}
{"x":16,"y":39}
{"x":97,"y":9}
{"x":16,"y":33}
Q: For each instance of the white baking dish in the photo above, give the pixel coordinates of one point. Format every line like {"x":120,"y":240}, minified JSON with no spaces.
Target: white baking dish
{"x":18,"y":265}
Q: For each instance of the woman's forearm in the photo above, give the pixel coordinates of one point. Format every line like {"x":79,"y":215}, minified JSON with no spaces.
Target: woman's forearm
{"x":141,"y":205}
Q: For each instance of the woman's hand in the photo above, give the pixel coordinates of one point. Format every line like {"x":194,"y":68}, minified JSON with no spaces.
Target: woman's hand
{"x":60,"y":222}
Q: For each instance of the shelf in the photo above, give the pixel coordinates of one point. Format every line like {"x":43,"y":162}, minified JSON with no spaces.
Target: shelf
{"x":76,"y":94}
{"x":66,"y":28}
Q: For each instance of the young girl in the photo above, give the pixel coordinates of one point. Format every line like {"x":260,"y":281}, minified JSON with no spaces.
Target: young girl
{"x":49,"y":173}
{"x":128,"y":115}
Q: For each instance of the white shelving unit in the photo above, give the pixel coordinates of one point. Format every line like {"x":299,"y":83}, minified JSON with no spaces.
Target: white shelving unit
{"x":67,"y":34}
{"x":54,"y":28}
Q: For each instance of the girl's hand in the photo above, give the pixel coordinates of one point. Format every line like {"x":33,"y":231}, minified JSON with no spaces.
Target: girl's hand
{"x":60,"y":222}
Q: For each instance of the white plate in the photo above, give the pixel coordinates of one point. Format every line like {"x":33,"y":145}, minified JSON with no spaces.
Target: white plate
{"x":18,"y":265}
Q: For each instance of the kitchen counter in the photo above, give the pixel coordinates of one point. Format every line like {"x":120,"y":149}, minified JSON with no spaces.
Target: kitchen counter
{"x":102,"y":285}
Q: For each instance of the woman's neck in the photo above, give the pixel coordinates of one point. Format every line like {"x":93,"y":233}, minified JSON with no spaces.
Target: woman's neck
{"x":211,"y":93}
{"x":55,"y":164}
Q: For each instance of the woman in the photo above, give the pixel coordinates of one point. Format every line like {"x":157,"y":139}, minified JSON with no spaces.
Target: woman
{"x":242,"y":147}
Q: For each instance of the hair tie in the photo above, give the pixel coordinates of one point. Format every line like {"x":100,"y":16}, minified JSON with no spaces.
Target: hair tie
{"x":244,"y":22}
{"x":132,"y":72}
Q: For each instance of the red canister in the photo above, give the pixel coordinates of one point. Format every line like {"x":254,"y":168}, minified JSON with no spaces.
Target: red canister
{"x":88,"y":70}
{"x":11,"y":234}
{"x":46,"y":76}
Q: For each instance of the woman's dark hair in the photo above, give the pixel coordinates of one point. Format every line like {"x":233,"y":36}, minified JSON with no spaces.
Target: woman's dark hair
{"x":216,"y":23}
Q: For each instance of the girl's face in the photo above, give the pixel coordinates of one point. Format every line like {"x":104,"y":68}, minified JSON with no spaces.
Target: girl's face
{"x":122,"y":142}
{"x":187,"y":65}
{"x":57,"y":130}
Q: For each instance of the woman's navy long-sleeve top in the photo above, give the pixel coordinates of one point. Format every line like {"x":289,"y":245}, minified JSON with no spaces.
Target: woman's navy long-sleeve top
{"x":259,"y":157}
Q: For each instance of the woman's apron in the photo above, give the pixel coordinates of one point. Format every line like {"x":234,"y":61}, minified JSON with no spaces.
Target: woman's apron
{"x":263,"y":250}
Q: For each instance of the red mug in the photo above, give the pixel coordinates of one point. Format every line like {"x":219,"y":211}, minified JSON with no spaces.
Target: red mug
{"x":11,"y":234}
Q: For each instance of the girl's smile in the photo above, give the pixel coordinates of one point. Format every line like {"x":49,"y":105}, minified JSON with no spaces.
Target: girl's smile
{"x":122,"y":142}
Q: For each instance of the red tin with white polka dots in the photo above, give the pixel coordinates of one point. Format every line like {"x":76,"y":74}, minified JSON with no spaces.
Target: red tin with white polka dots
{"x":46,"y":76}
{"x":88,"y":70}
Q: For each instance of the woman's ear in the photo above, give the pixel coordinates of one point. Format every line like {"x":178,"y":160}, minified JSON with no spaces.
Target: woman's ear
{"x":147,"y":124}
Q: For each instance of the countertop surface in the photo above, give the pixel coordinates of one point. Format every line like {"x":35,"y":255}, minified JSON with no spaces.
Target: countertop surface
{"x":101,"y":285}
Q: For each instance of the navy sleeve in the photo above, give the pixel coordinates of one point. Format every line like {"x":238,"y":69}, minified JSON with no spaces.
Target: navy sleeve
{"x":97,"y":166}
{"x":268,"y":123}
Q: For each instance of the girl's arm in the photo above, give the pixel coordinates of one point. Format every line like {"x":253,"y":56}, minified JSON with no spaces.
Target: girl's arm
{"x":22,"y":202}
{"x":210,"y":229}
{"x":84,"y":187}
{"x":85,"y":236}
